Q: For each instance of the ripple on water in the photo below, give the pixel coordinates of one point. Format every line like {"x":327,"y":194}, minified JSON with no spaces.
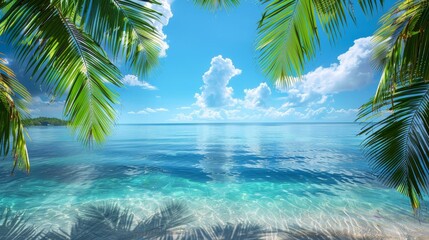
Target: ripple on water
{"x":298,"y":180}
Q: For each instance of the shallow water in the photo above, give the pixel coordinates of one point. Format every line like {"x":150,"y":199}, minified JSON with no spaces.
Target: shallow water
{"x":281,"y":176}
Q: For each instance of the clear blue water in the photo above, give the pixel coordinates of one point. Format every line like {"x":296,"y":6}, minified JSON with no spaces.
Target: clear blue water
{"x":278,"y":175}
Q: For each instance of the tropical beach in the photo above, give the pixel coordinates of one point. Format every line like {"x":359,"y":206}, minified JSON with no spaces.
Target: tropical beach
{"x":217,"y":119}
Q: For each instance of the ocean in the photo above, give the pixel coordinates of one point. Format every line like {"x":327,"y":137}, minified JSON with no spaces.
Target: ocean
{"x":311,"y":177}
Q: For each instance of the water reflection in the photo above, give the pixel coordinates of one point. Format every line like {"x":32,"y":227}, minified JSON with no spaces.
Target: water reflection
{"x":216,"y":145}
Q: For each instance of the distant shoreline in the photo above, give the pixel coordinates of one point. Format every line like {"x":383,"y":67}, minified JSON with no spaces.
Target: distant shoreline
{"x":44,"y":121}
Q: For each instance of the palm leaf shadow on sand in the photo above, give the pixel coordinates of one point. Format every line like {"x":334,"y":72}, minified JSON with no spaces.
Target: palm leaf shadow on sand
{"x":15,"y":226}
{"x":110,"y":221}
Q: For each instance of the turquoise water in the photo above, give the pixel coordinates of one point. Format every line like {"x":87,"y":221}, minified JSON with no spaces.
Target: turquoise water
{"x":281,"y":176}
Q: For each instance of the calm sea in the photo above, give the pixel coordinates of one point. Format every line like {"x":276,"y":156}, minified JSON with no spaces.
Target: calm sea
{"x":311,"y":176}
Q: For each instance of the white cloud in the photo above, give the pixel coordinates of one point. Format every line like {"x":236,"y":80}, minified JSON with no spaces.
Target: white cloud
{"x":183,"y":108}
{"x":133,"y":80}
{"x":154,"y":110}
{"x":165,"y":9}
{"x":39,"y":107}
{"x":308,"y":100}
{"x":215,"y":91}
{"x":352,"y":72}
{"x":149,"y":110}
{"x":138,"y":112}
{"x":322,"y":100}
{"x":257,"y":97}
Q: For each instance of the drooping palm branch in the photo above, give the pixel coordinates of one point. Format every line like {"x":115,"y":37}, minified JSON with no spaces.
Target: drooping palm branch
{"x":13,"y":100}
{"x":398,"y":145}
{"x":402,"y":46}
{"x":62,"y":45}
{"x":217,"y":4}
{"x":60,"y":48}
{"x":125,"y":27}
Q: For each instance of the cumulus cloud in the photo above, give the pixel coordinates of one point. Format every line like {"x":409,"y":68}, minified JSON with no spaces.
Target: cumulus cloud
{"x":308,"y":100}
{"x":215,"y":92}
{"x":149,"y":110}
{"x":353,"y":71}
{"x":257,"y":97}
{"x":133,"y":81}
{"x":165,"y":9}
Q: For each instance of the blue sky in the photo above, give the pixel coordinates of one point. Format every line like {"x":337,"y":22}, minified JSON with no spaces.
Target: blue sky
{"x":210,"y":73}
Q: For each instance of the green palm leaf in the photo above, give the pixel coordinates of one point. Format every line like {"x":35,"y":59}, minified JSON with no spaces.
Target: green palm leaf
{"x":369,"y":6}
{"x":126,"y":27}
{"x":217,"y":4}
{"x":289,"y":35}
{"x":13,"y":100}
{"x":63,"y":57}
{"x":402,"y":46}
{"x":398,"y":145}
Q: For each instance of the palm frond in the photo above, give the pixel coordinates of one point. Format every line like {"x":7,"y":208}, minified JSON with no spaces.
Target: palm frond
{"x":333,"y":14}
{"x":13,"y":100}
{"x":398,"y":145}
{"x":369,"y":6}
{"x":217,"y":4}
{"x":402,"y":46}
{"x":126,"y":27}
{"x":68,"y":60}
{"x":289,"y":36}
{"x":15,"y":226}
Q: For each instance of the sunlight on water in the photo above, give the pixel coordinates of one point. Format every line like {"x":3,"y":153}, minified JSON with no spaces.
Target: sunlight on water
{"x":282,"y":176}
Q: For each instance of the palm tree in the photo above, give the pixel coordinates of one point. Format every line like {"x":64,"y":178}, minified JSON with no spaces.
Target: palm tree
{"x":63,"y":45}
{"x":397,"y":143}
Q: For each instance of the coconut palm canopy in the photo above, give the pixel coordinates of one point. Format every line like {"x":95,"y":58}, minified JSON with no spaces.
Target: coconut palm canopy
{"x":68,"y":46}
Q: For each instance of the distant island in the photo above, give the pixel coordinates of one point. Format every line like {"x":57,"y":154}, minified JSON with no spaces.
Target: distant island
{"x":44,"y":121}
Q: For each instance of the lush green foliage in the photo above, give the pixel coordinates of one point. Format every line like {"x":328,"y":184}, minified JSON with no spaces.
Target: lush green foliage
{"x":13,"y":97}
{"x":398,"y":145}
{"x":63,"y":44}
{"x":44,"y":121}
